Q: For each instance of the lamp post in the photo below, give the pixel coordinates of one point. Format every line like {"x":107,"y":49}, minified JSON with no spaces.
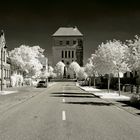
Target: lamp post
{"x":2,"y":46}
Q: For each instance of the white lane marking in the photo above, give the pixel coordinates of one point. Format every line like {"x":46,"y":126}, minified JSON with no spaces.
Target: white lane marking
{"x":63,"y":115}
{"x":63,"y":91}
{"x":63,"y":100}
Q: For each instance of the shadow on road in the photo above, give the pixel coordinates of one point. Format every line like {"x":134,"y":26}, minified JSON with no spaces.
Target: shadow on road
{"x":91,"y":103}
{"x":128,"y":103}
{"x":72,"y":95}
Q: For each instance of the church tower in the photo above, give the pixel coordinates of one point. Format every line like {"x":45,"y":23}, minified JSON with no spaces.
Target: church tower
{"x":67,"y":46}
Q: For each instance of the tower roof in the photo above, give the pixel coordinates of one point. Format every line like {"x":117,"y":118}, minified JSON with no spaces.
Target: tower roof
{"x":68,"y":31}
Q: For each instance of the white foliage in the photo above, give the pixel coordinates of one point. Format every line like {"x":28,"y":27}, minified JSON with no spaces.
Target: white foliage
{"x":44,"y":74}
{"x":51,"y":72}
{"x":110,"y":58}
{"x":50,"y":69}
{"x":133,"y":53}
{"x":16,"y":80}
{"x":90,"y":69}
{"x":74,"y":67}
{"x":59,"y":68}
{"x":27,"y":58}
{"x":82,"y":75}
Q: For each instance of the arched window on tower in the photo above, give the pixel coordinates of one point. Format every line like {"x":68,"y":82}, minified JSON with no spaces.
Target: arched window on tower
{"x":65,"y":54}
{"x":72,"y":54}
{"x":69,"y":54}
{"x":62,"y":55}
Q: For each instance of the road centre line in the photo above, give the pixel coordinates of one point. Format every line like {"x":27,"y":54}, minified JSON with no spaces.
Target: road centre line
{"x":63,"y":100}
{"x":63,"y":115}
{"x":63,"y":91}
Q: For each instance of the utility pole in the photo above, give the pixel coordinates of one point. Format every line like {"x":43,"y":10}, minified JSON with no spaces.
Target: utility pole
{"x":1,"y":69}
{"x":2,"y":47}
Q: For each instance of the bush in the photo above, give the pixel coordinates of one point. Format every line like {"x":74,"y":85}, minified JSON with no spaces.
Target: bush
{"x":16,"y":80}
{"x":135,"y":99}
{"x":83,"y":83}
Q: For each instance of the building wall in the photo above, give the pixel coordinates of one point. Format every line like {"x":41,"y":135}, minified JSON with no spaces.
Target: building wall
{"x":67,"y":49}
{"x":6,"y":69}
{"x":64,"y":54}
{"x":44,"y":62}
{"x":79,"y":52}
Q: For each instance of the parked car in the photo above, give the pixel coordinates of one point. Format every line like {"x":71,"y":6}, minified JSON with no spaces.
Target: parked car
{"x":42,"y":84}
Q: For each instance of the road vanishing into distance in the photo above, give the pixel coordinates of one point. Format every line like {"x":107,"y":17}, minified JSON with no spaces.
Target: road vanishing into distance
{"x":64,"y":112}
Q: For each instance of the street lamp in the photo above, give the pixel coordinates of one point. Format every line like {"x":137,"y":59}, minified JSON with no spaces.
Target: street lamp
{"x":2,"y":46}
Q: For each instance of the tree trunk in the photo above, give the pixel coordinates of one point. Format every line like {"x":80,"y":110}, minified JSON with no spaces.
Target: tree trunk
{"x":119,"y":83}
{"x":89,"y":81}
{"x":94,"y":82}
{"x":108,"y":82}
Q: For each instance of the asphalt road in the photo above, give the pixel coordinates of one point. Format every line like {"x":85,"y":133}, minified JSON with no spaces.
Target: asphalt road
{"x":65,"y":112}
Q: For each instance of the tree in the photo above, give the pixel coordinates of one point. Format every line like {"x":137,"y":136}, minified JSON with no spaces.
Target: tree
{"x":90,"y":70}
{"x":74,"y":67}
{"x":44,"y":74}
{"x":133,"y":54}
{"x":110,"y":58}
{"x":27,"y":59}
{"x":51,"y":72}
{"x":16,"y":80}
{"x":82,"y":75}
{"x":59,"y":68}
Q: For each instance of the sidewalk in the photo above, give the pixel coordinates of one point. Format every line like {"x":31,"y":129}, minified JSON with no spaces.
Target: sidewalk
{"x":103,"y":94}
{"x":121,"y":102}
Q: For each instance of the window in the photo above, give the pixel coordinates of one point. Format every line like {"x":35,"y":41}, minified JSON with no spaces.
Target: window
{"x":72,"y":54}
{"x":60,"y":42}
{"x":69,"y":54}
{"x":62,"y":55}
{"x":4,"y":55}
{"x":4,"y":73}
{"x":65,"y":54}
{"x":67,"y":42}
{"x":74,"y":41}
{"x":63,"y":61}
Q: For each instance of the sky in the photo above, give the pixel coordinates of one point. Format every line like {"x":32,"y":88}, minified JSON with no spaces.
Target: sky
{"x":32,"y":22}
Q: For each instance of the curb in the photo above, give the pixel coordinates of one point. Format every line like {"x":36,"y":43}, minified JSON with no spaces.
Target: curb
{"x":131,"y":110}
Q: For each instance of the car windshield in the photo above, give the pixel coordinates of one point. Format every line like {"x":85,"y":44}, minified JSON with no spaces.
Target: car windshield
{"x":41,"y":81}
